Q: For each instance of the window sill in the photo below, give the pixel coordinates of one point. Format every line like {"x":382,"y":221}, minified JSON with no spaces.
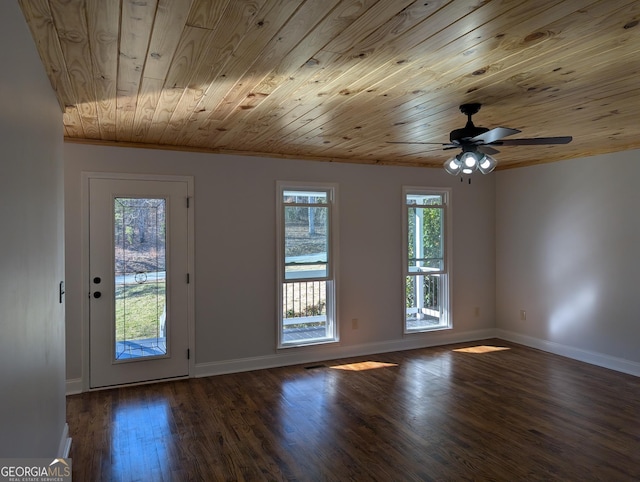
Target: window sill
{"x":428,"y":330}
{"x":322,"y":342}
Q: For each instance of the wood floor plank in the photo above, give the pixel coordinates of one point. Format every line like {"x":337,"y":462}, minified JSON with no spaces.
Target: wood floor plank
{"x":488,"y":410}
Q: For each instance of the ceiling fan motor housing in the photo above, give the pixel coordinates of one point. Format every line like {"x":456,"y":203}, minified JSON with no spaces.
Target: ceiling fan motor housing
{"x":467,"y":132}
{"x":458,"y":136}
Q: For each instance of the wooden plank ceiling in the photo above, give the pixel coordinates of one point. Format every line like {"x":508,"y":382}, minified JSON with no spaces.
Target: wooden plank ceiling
{"x":335,"y":80}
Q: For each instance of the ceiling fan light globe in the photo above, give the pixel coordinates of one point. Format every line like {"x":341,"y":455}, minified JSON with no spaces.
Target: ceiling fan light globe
{"x":469,"y":160}
{"x":466,"y":170}
{"x":487,"y":164}
{"x":453,"y":166}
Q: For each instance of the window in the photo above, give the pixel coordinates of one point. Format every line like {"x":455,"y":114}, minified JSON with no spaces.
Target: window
{"x":426,"y":265}
{"x":306,"y":264}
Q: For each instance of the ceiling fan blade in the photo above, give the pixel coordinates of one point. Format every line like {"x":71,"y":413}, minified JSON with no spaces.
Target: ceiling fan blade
{"x":494,"y":135}
{"x":407,"y":142}
{"x":487,"y":150}
{"x":533,"y":141}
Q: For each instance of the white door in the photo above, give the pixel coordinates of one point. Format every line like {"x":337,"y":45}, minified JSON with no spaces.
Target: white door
{"x":138,"y":275}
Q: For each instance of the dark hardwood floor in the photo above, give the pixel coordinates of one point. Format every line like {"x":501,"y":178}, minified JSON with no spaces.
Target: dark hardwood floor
{"x":430,"y":414}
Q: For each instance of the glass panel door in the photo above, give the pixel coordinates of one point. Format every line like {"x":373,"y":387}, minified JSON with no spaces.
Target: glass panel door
{"x":139,"y":289}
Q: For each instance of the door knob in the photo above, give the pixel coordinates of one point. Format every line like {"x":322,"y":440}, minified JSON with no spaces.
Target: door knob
{"x":97,"y":280}
{"x":97,"y":294}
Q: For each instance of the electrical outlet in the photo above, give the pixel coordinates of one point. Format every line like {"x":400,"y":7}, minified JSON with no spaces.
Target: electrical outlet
{"x":523,"y":315}
{"x":354,"y":323}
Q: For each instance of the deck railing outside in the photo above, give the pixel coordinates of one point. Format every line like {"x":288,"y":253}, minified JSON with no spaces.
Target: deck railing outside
{"x":423,"y":301}
{"x":304,"y":315}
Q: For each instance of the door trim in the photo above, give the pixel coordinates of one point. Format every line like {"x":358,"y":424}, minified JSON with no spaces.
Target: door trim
{"x":84,"y":263}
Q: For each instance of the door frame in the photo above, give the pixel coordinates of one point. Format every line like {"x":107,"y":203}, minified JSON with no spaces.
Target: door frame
{"x":86,"y":278}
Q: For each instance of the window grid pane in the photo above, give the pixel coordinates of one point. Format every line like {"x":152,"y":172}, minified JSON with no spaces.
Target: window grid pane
{"x":425,"y":199}
{"x":306,"y":233}
{"x":425,"y":239}
{"x":304,"y":311}
{"x":305,"y":197}
{"x":423,"y":302}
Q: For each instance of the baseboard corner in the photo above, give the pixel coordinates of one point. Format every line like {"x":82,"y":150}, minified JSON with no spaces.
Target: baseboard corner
{"x":73,"y":386}
{"x":594,"y":358}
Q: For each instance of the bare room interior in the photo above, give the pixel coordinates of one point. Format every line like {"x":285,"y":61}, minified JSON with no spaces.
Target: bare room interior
{"x":321,"y":240}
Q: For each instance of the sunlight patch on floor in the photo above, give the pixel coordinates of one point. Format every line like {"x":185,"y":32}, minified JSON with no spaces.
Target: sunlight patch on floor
{"x":481,"y":349}
{"x":360,"y":366}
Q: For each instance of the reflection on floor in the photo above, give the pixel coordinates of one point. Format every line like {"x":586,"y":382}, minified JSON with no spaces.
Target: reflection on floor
{"x":488,"y":410}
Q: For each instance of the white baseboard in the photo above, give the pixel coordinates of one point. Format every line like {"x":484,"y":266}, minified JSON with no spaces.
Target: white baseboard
{"x":64,"y":447}
{"x":295,"y":356}
{"x":594,"y":358}
{"x":73,"y":386}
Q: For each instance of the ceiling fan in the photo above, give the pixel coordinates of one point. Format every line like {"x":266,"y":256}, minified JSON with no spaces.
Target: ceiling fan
{"x":476,"y":144}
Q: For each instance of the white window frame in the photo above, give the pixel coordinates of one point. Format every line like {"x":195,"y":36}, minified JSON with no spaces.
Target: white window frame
{"x":332,"y":263}
{"x":445,"y":315}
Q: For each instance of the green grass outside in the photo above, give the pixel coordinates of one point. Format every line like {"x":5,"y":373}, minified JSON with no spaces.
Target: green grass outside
{"x":138,"y":310}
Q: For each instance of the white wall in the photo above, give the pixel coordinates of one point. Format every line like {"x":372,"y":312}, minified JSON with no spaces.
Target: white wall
{"x":235,"y":253}
{"x":568,"y":246}
{"x":32,"y":401}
